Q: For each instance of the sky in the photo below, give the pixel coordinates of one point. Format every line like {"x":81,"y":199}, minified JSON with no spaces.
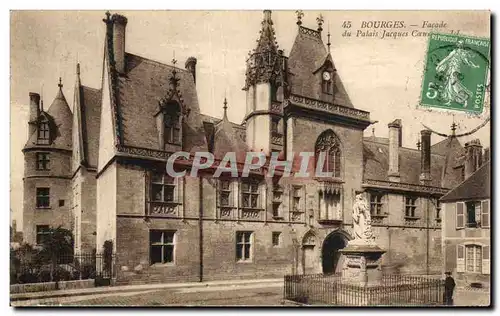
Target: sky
{"x":382,"y":76}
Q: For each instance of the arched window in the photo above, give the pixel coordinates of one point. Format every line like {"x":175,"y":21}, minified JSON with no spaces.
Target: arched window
{"x":43,"y":132}
{"x":172,"y":124}
{"x":329,"y":143}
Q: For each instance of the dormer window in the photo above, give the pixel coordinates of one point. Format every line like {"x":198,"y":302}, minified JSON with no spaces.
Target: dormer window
{"x":327,"y":83}
{"x":172,"y":124}
{"x":43,"y":133}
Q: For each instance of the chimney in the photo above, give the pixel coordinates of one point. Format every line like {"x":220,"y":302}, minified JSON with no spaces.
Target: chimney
{"x":473,"y":157}
{"x":425,"y":156}
{"x":34,"y":112}
{"x":119,"y":24}
{"x":191,"y":67}
{"x":394,"y":144}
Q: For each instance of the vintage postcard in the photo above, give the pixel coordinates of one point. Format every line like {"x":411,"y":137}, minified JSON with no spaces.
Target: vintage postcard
{"x":238,"y":158}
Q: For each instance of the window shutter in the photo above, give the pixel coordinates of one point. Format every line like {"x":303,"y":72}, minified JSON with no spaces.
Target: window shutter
{"x":486,"y":260}
{"x":460,"y":258}
{"x":485,"y":213}
{"x":460,"y":214}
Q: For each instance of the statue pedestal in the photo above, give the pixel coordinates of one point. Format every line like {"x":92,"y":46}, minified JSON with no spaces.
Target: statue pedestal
{"x":362,"y":265}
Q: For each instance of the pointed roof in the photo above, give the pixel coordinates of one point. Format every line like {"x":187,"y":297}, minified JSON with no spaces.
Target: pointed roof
{"x":475,"y":187}
{"x":307,"y":57}
{"x":267,"y":39}
{"x":227,"y":139}
{"x":87,"y":110}
{"x":61,"y":121}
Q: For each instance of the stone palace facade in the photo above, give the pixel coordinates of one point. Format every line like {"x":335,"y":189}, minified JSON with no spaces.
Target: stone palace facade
{"x":100,"y":169}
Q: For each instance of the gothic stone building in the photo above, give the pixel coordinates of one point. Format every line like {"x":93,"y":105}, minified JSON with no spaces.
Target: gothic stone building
{"x":106,"y":176}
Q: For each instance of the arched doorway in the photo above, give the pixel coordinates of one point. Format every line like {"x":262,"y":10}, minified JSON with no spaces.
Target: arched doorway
{"x":331,"y":257}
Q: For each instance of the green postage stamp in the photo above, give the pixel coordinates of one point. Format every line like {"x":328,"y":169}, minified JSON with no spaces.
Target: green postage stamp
{"x":455,"y":73}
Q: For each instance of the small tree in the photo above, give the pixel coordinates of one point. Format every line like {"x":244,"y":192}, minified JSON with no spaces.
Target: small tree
{"x":57,"y":244}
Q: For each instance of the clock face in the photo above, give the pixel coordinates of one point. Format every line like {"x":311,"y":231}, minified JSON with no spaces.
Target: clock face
{"x":326,"y":76}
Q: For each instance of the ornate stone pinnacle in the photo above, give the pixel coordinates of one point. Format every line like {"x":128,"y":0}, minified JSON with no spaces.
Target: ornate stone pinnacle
{"x":60,"y":85}
{"x":320,"y":21}
{"x":108,"y":17}
{"x":419,"y":144}
{"x":225,"y":108}
{"x":300,"y":14}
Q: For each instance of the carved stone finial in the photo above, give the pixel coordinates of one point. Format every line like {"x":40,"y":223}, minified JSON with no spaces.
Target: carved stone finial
{"x":419,"y":144}
{"x":60,"y":85}
{"x":320,"y":21}
{"x":108,"y":17}
{"x":300,"y":14}
{"x":225,"y":108}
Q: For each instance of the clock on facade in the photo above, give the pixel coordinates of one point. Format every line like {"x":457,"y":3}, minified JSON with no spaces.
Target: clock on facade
{"x":326,"y":76}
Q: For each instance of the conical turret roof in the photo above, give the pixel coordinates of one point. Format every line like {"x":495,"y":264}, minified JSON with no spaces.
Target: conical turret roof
{"x":60,"y":121}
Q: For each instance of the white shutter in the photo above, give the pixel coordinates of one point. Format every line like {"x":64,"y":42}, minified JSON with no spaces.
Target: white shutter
{"x":460,"y":214}
{"x":485,"y":213}
{"x":460,"y":258}
{"x":486,"y":260}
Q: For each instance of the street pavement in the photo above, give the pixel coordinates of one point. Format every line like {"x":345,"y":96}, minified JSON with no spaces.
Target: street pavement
{"x":264,"y":294}
{"x":254,"y":294}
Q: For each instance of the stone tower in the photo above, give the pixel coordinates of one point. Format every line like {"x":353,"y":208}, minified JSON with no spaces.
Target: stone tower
{"x":47,"y":167}
{"x":265,"y":87}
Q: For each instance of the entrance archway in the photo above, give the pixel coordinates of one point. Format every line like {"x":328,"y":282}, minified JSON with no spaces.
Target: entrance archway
{"x":330,"y":254}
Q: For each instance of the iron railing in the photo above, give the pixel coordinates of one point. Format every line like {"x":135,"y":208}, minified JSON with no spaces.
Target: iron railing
{"x":69,"y":267}
{"x":393,"y":290}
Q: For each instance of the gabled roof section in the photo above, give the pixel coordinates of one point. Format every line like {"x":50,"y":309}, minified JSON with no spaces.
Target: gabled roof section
{"x":227,"y":139}
{"x":307,"y":57}
{"x":376,"y":163}
{"x":145,"y":84}
{"x":475,"y":187}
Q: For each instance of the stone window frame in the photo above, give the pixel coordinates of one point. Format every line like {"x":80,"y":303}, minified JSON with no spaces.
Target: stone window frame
{"x":276,"y":239}
{"x":379,"y":203}
{"x":329,"y":142}
{"x":43,"y":161}
{"x":41,"y":232}
{"x":411,"y":206}
{"x":277,"y":201}
{"x":163,"y":244}
{"x":253,"y":192}
{"x":43,"y":132}
{"x":42,"y":199}
{"x":172,"y":123}
{"x":244,"y":246}
{"x":165,"y":182}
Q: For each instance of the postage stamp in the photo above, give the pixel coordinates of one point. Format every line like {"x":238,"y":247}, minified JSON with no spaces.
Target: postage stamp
{"x":455,"y":73}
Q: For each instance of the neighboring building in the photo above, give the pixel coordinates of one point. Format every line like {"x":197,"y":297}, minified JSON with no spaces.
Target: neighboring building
{"x":203,"y":228}
{"x":466,"y":225}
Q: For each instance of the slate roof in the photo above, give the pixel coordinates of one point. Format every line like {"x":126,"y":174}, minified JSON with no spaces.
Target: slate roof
{"x":475,"y":187}
{"x":144,"y":85}
{"x":376,"y":164}
{"x":91,"y":110}
{"x":60,"y":121}
{"x":307,"y":55}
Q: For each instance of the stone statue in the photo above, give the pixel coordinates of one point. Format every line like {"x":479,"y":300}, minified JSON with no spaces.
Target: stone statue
{"x":362,"y":229}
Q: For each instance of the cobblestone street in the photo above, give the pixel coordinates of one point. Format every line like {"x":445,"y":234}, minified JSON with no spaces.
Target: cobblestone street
{"x":212,"y":296}
{"x":240,"y":295}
